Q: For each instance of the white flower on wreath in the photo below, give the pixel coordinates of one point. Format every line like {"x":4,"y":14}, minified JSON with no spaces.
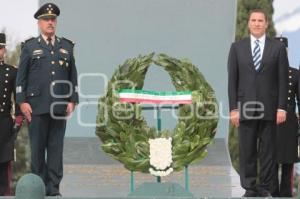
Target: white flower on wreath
{"x":160,"y":156}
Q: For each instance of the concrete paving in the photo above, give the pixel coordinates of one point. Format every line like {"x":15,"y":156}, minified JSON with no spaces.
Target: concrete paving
{"x":91,"y":173}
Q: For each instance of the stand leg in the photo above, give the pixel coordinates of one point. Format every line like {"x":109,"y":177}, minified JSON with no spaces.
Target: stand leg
{"x":158,"y":179}
{"x":186,"y":177}
{"x":132,"y":182}
{"x":158,"y":115}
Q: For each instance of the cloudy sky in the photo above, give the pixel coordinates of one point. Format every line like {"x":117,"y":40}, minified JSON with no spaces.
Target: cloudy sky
{"x":17,"y":18}
{"x":286,"y":15}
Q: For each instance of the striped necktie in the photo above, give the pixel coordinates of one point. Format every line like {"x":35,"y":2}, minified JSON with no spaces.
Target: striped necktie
{"x":256,"y":55}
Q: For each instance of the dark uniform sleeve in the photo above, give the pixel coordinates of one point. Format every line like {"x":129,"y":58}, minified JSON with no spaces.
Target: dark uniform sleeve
{"x":283,"y":65}
{"x":21,"y":81}
{"x":73,"y":78}
{"x":17,"y":107}
{"x":297,"y":92}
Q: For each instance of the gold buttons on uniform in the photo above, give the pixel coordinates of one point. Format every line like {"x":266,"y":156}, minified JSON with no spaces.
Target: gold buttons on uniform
{"x":6,"y":81}
{"x":290,"y":91}
{"x":5,"y":89}
{"x":3,"y":103}
{"x":2,"y":110}
{"x":7,"y":68}
{"x":289,"y":98}
{"x":53,"y":62}
{"x":6,"y":75}
{"x":4,"y":96}
{"x":290,"y":77}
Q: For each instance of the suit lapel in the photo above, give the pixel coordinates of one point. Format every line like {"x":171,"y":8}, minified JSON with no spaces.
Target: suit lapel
{"x":266,"y":53}
{"x":248,"y":53}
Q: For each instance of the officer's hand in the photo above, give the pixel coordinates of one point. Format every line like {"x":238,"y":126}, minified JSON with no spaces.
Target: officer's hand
{"x":17,"y":125}
{"x":235,"y":118}
{"x":70,"y":108}
{"x":280,"y":117}
{"x":26,"y":110}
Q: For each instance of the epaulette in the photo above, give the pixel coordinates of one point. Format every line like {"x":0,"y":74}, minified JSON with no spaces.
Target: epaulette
{"x":68,"y":40}
{"x":27,"y":40}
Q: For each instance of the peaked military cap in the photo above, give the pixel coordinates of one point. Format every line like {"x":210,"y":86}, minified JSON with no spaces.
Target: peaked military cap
{"x":284,"y":40}
{"x":2,"y":40}
{"x":48,"y":10}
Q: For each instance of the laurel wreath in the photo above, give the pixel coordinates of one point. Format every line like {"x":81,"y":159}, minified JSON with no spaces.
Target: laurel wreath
{"x":126,"y":140}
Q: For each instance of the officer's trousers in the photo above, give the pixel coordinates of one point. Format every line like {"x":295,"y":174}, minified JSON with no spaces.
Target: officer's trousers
{"x":283,"y":187}
{"x":46,"y":136}
{"x":5,"y":175}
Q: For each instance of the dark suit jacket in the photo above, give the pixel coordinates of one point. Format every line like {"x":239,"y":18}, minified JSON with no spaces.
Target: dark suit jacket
{"x":263,"y":91}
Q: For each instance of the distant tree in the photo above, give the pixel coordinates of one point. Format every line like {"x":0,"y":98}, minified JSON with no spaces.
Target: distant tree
{"x":13,"y":56}
{"x":244,"y":7}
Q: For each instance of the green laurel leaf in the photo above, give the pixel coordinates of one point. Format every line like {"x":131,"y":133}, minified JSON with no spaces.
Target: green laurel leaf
{"x":126,"y":140}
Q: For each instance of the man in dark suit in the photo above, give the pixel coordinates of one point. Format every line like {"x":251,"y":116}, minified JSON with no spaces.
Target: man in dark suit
{"x":47,"y":94}
{"x":286,"y":140}
{"x":257,"y":90}
{"x":8,"y":75}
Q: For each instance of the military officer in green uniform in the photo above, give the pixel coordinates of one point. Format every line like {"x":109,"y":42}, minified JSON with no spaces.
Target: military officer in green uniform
{"x":47,"y":93}
{"x":286,"y":140}
{"x":8,"y":75}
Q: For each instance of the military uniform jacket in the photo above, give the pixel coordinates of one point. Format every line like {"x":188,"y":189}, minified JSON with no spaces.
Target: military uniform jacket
{"x":47,"y":76}
{"x":8,"y":75}
{"x":286,"y":141}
